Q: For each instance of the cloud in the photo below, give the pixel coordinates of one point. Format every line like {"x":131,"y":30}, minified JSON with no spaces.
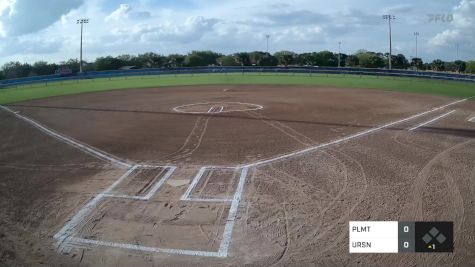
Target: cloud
{"x":462,"y":28}
{"x":125,"y":12}
{"x":192,"y":29}
{"x":18,"y":17}
{"x":30,"y":46}
{"x":397,"y":9}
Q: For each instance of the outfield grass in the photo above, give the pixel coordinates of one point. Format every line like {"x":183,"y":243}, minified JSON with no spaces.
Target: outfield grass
{"x":412,"y":85}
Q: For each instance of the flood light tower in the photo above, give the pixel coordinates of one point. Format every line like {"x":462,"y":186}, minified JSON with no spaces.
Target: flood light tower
{"x":416,"y":34}
{"x":267,"y":43}
{"x":389,"y":18}
{"x":339,"y":53}
{"x":82,"y":22}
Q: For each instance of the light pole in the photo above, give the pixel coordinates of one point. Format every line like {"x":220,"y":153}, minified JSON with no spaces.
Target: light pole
{"x":339,"y":53}
{"x":267,"y":43}
{"x":82,"y":22}
{"x":457,"y":51}
{"x":416,"y":34}
{"x":389,"y":18}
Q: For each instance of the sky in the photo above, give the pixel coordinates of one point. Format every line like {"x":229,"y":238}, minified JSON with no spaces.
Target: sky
{"x":34,"y":30}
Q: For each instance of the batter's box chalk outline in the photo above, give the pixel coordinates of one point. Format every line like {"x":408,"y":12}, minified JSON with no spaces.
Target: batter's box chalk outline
{"x":196,"y":180}
{"x":168,"y":172}
{"x":67,"y":236}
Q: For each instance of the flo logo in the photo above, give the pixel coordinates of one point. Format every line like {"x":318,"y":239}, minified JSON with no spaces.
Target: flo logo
{"x":435,"y":18}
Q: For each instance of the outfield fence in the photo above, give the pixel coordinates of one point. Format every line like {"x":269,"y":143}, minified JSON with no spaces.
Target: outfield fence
{"x":244,"y":70}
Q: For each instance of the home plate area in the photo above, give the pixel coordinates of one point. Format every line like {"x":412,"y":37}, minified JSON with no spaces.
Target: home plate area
{"x":146,"y":211}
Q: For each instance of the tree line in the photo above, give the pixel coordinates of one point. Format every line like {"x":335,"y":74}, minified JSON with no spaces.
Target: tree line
{"x":362,"y":58}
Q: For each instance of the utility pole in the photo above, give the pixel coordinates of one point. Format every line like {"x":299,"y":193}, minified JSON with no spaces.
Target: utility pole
{"x":416,"y":34}
{"x":82,"y":22}
{"x":339,"y":53}
{"x":389,"y":18}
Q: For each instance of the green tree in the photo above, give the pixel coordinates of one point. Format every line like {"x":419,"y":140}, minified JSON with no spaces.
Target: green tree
{"x":175,"y":61}
{"x":243,"y":59}
{"x":326,"y":59}
{"x":256,"y":57}
{"x":43,"y":68}
{"x":201,"y":58}
{"x":129,"y":60}
{"x":399,"y":62}
{"x":470,"y":67}
{"x":269,"y":61}
{"x":72,"y":64}
{"x":461,"y":65}
{"x":13,"y":70}
{"x":370,"y":60}
{"x":305,"y":59}
{"x":108,"y":63}
{"x":438,"y":65}
{"x":285,"y":57}
{"x":150,"y":60}
{"x":352,"y":61}
{"x":228,"y":61}
{"x":417,"y":62}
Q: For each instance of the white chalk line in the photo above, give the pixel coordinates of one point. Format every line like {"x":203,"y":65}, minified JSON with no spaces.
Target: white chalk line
{"x":228,"y":228}
{"x":68,"y":228}
{"x":80,"y":241}
{"x":432,"y":120}
{"x":472,"y":119}
{"x":256,"y":107}
{"x":350,"y":137}
{"x":194,"y":183}
{"x":65,"y":234}
{"x":153,"y":190}
{"x":85,"y":148}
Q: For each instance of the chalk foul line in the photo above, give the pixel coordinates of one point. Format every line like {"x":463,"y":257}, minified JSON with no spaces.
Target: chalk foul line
{"x":432,"y":120}
{"x":68,"y":140}
{"x":350,"y":137}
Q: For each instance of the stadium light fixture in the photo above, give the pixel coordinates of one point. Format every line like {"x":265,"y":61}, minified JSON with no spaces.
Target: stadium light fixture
{"x":416,"y":34}
{"x":389,"y":18}
{"x":267,"y":43}
{"x":82,"y":22}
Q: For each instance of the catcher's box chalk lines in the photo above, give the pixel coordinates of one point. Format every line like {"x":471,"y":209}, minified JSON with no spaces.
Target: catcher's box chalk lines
{"x":65,"y":234}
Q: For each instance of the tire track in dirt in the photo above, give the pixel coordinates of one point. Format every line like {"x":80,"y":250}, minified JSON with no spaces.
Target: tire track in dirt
{"x":423,"y":176}
{"x":287,"y":237}
{"x":332,"y":229}
{"x":285,"y":129}
{"x":338,"y":227}
{"x":416,"y":207}
{"x":403,"y":138}
{"x":193,"y":140}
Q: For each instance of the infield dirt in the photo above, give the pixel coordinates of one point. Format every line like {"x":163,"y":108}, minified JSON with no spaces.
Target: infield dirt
{"x":293,"y":212}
